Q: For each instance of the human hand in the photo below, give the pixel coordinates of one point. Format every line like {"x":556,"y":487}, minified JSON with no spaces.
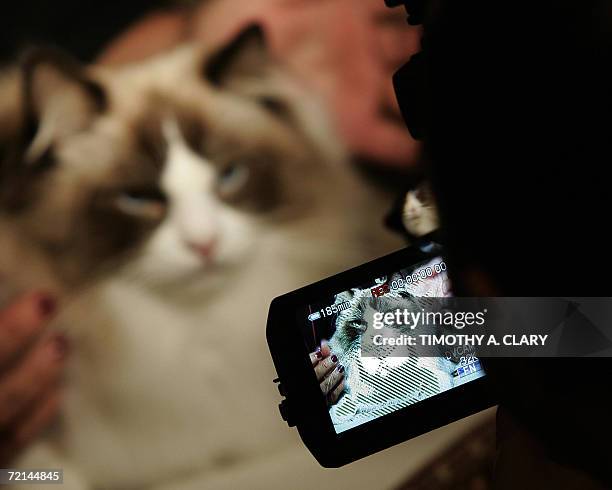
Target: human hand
{"x":31,"y":363}
{"x":329,"y":373}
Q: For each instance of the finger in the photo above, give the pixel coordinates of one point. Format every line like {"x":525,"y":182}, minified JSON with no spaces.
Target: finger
{"x":325,"y":366}
{"x":335,"y":395}
{"x":31,"y":377}
{"x":332,"y":379}
{"x":325,"y":348}
{"x":31,"y":424}
{"x":316,"y":356}
{"x":21,"y":322}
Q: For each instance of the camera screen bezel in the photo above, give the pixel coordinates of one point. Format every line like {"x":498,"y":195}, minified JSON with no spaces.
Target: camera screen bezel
{"x":305,"y":404}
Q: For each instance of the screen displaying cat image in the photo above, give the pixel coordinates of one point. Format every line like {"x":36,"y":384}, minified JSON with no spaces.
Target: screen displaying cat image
{"x":361,"y":388}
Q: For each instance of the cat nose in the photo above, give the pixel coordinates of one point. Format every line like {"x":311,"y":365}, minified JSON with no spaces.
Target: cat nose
{"x":204,"y":249}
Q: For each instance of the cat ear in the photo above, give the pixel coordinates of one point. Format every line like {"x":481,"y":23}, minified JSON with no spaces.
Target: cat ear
{"x":246,"y":56}
{"x":60,"y":99}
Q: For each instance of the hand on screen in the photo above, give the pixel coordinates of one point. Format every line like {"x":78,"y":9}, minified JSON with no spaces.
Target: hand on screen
{"x":329,"y":373}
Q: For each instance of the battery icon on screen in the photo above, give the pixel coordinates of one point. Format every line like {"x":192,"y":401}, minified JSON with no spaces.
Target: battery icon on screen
{"x":314,"y":316}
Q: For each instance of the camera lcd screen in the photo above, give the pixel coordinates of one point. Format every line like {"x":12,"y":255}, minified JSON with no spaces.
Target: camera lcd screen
{"x":372,"y":386}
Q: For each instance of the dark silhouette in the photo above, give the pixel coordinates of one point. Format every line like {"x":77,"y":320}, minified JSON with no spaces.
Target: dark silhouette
{"x":512,"y":100}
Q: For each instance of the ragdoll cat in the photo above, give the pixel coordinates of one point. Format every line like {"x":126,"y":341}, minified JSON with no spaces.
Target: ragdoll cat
{"x":167,"y":203}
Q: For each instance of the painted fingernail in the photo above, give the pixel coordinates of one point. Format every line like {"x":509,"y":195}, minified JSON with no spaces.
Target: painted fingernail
{"x":60,"y":346}
{"x":318,"y":353}
{"x":334,"y":358}
{"x":340,"y":368}
{"x":46,"y":305}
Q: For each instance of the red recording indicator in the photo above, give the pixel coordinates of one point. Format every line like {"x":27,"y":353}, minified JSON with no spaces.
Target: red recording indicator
{"x":381,"y":290}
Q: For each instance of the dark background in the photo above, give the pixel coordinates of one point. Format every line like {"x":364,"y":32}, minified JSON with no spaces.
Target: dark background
{"x":79,"y":27}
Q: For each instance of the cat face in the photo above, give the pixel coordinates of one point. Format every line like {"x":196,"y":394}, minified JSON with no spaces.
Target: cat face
{"x":174,"y":167}
{"x":245,"y":154}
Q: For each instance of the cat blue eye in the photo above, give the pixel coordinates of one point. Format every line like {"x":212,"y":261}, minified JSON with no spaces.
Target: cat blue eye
{"x":233,"y":177}
{"x":147,"y":204}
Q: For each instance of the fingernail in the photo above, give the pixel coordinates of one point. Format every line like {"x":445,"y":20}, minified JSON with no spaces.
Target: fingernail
{"x":340,"y":368}
{"x":334,"y":358}
{"x":60,"y":346}
{"x":46,"y":305}
{"x":318,"y":353}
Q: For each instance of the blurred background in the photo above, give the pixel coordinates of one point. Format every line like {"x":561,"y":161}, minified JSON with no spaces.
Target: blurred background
{"x":344,"y":50}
